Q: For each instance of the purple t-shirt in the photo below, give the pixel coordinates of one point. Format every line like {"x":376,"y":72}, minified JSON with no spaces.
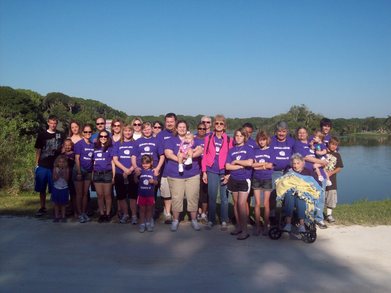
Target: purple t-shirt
{"x":146,"y":146}
{"x":243,"y":152}
{"x":282,"y":152}
{"x":252,"y":143}
{"x":171,"y":167}
{"x":124,"y":151}
{"x":85,"y":151}
{"x":319,"y":147}
{"x":146,"y":189}
{"x":162,"y":137}
{"x":304,"y":149}
{"x":263,"y":156}
{"x":215,"y":167}
{"x":102,"y":160}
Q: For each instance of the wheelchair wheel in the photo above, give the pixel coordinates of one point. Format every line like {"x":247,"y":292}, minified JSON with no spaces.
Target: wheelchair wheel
{"x":274,"y":233}
{"x":309,"y":237}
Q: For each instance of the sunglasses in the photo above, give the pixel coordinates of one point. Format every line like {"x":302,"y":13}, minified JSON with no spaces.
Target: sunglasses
{"x":102,"y":136}
{"x":117,"y":125}
{"x":157,"y":127}
{"x":136,"y":124}
{"x":102,"y":123}
{"x":201,"y":128}
{"x":219,"y":123}
{"x":206,"y":122}
{"x":87,"y":132}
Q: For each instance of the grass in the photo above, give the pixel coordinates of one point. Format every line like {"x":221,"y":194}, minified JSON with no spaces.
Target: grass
{"x":367,"y":213}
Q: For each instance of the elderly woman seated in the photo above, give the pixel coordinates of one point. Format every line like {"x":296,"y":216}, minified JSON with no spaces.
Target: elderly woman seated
{"x":298,"y":188}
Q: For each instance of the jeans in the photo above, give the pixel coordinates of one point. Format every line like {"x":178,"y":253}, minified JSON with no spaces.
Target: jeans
{"x":319,"y":204}
{"x":214,"y":182}
{"x":290,"y":201}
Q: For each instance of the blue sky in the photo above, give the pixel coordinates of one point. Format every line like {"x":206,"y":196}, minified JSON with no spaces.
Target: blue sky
{"x":239,"y":58}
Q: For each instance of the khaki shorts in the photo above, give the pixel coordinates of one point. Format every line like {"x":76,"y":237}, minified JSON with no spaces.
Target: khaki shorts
{"x":164,"y":188}
{"x":331,"y":199}
{"x":181,"y":187}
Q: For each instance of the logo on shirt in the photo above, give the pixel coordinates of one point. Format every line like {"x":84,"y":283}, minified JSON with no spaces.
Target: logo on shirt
{"x":282,"y":153}
{"x":262,"y":161}
{"x":146,"y":182}
{"x":147,"y":149}
{"x":99,"y":155}
{"x":90,"y":154}
{"x":217,"y":149}
{"x":126,"y":152}
{"x":238,"y":157}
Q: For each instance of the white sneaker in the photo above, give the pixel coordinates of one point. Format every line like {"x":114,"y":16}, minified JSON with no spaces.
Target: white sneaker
{"x":209,"y":226}
{"x":204,"y":218}
{"x":180,"y":168}
{"x":149,"y":227}
{"x":195,"y":225}
{"x":87,"y":218}
{"x":224,"y":226}
{"x":174,"y":225}
{"x":287,"y":228}
{"x":134,"y":220}
{"x":141,"y":228}
{"x":124,"y":219}
{"x":82,"y":219}
{"x":188,"y":161}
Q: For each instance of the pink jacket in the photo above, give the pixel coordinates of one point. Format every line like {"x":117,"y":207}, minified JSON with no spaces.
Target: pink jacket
{"x":210,"y":151}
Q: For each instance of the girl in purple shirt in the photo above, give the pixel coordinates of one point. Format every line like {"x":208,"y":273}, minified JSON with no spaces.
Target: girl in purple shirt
{"x":103,"y":175}
{"x":239,"y":162}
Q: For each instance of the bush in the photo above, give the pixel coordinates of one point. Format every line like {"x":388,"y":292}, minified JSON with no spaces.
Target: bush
{"x":17,"y":156}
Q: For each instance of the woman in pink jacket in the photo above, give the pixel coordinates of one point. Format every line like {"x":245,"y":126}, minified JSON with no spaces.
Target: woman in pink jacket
{"x":214,"y":174}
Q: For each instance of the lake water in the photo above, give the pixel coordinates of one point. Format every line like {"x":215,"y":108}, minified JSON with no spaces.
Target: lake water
{"x":367,"y":170}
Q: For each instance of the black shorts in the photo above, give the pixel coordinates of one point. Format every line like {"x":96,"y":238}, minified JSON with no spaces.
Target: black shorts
{"x":203,"y":193}
{"x":123,"y":190}
{"x":264,"y":184}
{"x":235,"y":185}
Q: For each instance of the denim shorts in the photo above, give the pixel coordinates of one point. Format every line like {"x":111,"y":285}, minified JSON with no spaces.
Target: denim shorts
{"x":264,"y":184}
{"x":102,"y":176}
{"x":85,"y":175}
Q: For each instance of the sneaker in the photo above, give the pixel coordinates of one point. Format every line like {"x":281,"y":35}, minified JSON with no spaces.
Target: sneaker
{"x":168,"y":219}
{"x":204,"y":219}
{"x":188,"y":161}
{"x":329,"y":183}
{"x":152,"y":223}
{"x":195,"y":225}
{"x":330,"y":219}
{"x":56,"y":220}
{"x":82,"y":219}
{"x":321,"y":225}
{"x":301,"y":229}
{"x":287,"y":228}
{"x":209,"y":226}
{"x":134,"y":220}
{"x":41,"y":212}
{"x":87,"y":218}
{"x":141,"y":228}
{"x":180,"y":168}
{"x":174,"y":225}
{"x":224,"y":226}
{"x":320,"y":178}
{"x":124,"y":219}
{"x":149,"y":227}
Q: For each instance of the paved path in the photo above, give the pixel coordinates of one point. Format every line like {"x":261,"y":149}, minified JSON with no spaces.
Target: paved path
{"x":41,"y":256}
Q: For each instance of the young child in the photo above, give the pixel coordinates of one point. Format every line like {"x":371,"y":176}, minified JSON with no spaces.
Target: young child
{"x":146,"y":198}
{"x":67,"y":151}
{"x":60,"y":192}
{"x":317,"y":144}
{"x":333,"y":167}
{"x":186,"y":149}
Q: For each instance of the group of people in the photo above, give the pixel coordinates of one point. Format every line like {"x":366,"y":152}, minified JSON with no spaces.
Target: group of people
{"x":143,"y":160}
